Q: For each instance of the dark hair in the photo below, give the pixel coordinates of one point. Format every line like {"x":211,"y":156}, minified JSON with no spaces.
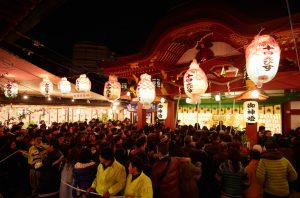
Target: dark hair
{"x":235,"y":157}
{"x":54,"y":143}
{"x":163,"y":148}
{"x":107,"y":153}
{"x":271,"y":145}
{"x":140,"y":142}
{"x":255,"y":154}
{"x":72,"y":157}
{"x":137,"y":162}
{"x":85,"y":155}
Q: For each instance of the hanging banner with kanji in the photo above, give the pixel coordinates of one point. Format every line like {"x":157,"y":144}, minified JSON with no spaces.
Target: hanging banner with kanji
{"x":162,"y":111}
{"x":250,"y":111}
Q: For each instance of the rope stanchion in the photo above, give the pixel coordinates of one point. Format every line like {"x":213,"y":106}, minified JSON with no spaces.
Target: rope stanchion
{"x":8,"y":156}
{"x":81,"y":190}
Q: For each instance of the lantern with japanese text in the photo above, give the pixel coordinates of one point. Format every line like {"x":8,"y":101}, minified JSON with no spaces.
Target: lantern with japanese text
{"x":83,"y":84}
{"x":250,"y":111}
{"x":262,"y":59}
{"x":146,"y":91}
{"x":11,"y":90}
{"x":112,"y":89}
{"x":162,"y":111}
{"x":46,"y":87}
{"x":195,"y":82}
{"x":64,"y":86}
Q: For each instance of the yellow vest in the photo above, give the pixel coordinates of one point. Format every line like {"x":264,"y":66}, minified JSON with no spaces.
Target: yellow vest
{"x":111,"y":180}
{"x":141,"y":187}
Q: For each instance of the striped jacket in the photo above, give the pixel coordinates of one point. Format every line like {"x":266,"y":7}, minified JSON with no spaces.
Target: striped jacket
{"x":274,"y":172}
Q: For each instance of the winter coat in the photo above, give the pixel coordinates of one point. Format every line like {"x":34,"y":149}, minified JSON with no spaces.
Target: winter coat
{"x":112,"y":179}
{"x":255,"y":189}
{"x":189,"y":174}
{"x":168,"y":186}
{"x":140,"y":187}
{"x":49,"y":180}
{"x":83,"y":175}
{"x":232,"y":183}
{"x":274,"y":172}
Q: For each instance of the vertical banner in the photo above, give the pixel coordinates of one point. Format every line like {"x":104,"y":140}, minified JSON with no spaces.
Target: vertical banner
{"x":250,"y":111}
{"x":162,"y":111}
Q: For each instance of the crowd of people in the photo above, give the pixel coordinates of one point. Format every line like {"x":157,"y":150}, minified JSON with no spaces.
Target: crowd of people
{"x":115,"y":158}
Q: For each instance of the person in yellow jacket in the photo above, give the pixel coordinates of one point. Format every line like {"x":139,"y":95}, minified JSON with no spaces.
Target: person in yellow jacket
{"x":138,"y":184}
{"x":111,"y":175}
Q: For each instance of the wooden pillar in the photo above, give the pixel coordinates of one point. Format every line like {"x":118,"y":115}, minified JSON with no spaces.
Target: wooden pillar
{"x":141,"y":116}
{"x":170,"y":121}
{"x":286,"y":117}
{"x":251,"y":133}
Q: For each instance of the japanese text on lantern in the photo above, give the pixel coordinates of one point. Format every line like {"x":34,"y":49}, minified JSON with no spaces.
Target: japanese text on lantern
{"x":189,"y":84}
{"x":268,"y":59}
{"x":250,"y":111}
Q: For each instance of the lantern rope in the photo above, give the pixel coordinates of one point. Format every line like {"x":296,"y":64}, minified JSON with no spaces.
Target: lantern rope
{"x":292,"y":29}
{"x":177,"y":107}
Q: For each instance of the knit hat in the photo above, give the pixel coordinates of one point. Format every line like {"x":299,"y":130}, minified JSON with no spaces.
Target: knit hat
{"x":257,"y":147}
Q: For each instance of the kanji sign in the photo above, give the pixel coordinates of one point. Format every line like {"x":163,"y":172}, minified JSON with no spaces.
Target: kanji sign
{"x":250,"y":111}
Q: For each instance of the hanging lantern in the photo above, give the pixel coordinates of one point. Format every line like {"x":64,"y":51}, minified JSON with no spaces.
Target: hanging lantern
{"x":145,"y":91}
{"x":64,"y":86}
{"x":162,"y":111}
{"x":46,"y":87}
{"x":250,"y":111}
{"x":262,"y":59}
{"x":11,"y":90}
{"x":83,"y":84}
{"x":195,"y":82}
{"x":112,"y":89}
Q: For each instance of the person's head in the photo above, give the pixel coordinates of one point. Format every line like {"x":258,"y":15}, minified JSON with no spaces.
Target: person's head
{"x":85,"y":155}
{"x":37,"y":138}
{"x":215,"y":138}
{"x":255,"y":154}
{"x":60,"y":138}
{"x":53,"y":144}
{"x":73,"y":156}
{"x":135,"y":165}
{"x":271,"y":146}
{"x":163,"y":149}
{"x":188,"y":140}
{"x":268,"y":133}
{"x":141,"y":143}
{"x":92,"y":137}
{"x":106,"y":155}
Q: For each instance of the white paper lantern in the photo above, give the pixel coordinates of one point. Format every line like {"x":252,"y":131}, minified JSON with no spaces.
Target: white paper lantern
{"x":112,"y":89}
{"x":64,"y":86}
{"x":83,"y":84}
{"x":262,"y":59}
{"x":146,"y":91}
{"x":46,"y":87}
{"x":250,"y":111}
{"x":195,"y":82}
{"x":11,"y":90}
{"x":162,"y":111}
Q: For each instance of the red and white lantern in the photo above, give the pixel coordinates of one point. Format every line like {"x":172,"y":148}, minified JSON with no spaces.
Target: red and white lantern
{"x":64,"y":86}
{"x":112,"y":89}
{"x":262,"y":59}
{"x":83,"y":84}
{"x":195,"y":82}
{"x":145,"y":91}
{"x":11,"y":90}
{"x":46,"y":87}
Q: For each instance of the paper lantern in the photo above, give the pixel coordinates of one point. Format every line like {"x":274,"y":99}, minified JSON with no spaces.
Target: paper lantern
{"x":11,"y":90}
{"x":64,"y":86}
{"x":145,"y":91}
{"x":112,"y":89}
{"x":162,"y":111}
{"x":262,"y":59}
{"x":250,"y":111}
{"x":46,"y":87}
{"x":195,"y":82}
{"x":83,"y":84}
